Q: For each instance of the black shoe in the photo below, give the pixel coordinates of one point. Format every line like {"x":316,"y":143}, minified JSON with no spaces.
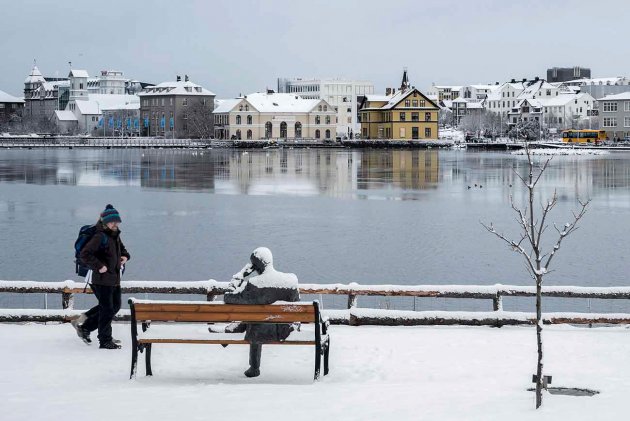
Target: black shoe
{"x":82,"y":333}
{"x":252,"y":372}
{"x":117,"y":341}
{"x":109,"y":345}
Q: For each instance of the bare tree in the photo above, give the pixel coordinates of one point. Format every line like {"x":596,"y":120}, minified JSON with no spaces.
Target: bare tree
{"x":445,"y":117}
{"x":200,"y":120}
{"x":533,"y":224}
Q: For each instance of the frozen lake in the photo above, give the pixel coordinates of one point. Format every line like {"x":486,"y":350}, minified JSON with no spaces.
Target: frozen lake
{"x":368,"y":216}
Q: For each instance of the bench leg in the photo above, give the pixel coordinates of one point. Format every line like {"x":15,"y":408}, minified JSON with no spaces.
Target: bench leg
{"x":318,"y":360}
{"x":134,"y":360}
{"x":148,"y":360}
{"x":326,"y":352}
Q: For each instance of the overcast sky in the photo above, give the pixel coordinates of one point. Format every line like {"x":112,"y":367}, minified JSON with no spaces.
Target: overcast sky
{"x":236,"y":46}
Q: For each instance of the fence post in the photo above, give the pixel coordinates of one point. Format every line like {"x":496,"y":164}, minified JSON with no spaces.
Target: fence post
{"x":497,"y":302}
{"x":67,"y":300}
{"x":352,"y":301}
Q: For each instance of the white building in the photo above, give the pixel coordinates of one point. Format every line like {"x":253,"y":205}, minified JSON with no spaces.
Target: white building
{"x":87,"y":107}
{"x":274,"y":116}
{"x":558,"y":111}
{"x":477,"y":92}
{"x":444,"y":92}
{"x":343,"y":95}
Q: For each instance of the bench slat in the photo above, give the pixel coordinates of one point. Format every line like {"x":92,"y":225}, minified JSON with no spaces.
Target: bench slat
{"x":218,"y":341}
{"x":184,"y":316}
{"x":227,"y":308}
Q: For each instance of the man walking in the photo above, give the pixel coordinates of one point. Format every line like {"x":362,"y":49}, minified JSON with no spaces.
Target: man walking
{"x":266,"y":287}
{"x":105,"y":254}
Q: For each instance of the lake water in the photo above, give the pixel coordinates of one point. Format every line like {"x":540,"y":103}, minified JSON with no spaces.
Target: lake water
{"x":366,"y":216}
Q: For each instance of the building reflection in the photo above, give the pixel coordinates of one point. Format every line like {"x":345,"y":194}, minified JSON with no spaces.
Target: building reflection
{"x":399,"y":174}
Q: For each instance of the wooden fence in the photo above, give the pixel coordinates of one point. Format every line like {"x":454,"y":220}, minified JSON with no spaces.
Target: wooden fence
{"x":353,"y":315}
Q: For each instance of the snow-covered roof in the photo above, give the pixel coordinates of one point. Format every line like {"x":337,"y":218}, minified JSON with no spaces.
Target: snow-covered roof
{"x":378,"y":98}
{"x":474,"y":105}
{"x":7,"y":98}
{"x":282,"y":103}
{"x":226,"y":105}
{"x":78,"y":73}
{"x":616,"y":97}
{"x":481,"y":87}
{"x":99,"y":102}
{"x":34,"y":76}
{"x":175,"y":88}
{"x":65,"y":115}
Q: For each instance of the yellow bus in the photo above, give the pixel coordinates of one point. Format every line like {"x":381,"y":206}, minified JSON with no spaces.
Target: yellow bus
{"x":583,"y":136}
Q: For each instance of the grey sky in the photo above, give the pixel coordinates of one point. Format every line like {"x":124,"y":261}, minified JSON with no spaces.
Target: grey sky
{"x":239,"y":46}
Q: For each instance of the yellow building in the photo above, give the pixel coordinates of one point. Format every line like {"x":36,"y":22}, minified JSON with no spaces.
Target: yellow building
{"x":404,"y":114}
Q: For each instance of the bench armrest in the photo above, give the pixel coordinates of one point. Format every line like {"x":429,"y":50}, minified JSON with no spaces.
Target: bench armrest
{"x":325,"y":321}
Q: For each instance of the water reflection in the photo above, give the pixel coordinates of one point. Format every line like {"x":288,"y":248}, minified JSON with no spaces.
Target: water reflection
{"x":390,"y":174}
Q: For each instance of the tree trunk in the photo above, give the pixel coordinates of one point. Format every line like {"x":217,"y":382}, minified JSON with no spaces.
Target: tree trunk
{"x":539,"y":328}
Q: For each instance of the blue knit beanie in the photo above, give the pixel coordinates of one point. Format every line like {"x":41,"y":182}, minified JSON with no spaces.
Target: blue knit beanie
{"x":110,"y":215}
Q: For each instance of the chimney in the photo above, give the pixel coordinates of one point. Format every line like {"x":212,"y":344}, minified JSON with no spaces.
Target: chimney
{"x":388,"y":91}
{"x":524,"y":80}
{"x":536,"y":78}
{"x":186,"y":78}
{"x":513,"y":81}
{"x":179,"y":78}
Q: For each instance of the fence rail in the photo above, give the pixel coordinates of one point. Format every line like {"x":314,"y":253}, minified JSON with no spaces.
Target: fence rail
{"x":353,"y":315}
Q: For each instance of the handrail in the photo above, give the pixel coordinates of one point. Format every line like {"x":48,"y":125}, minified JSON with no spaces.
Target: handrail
{"x":212,"y":288}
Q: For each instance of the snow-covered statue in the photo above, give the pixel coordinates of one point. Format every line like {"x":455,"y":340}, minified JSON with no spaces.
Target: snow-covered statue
{"x":266,"y":286}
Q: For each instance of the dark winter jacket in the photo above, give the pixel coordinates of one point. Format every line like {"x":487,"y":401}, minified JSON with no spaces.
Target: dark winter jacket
{"x":95,"y":256}
{"x":259,"y":290}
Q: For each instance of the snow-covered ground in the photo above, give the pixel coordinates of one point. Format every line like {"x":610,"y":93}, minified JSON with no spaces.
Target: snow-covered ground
{"x":561,"y":151}
{"x":451,"y":134}
{"x":377,"y":373}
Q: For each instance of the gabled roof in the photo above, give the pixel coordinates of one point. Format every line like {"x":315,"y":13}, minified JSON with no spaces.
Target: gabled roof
{"x":78,"y":73}
{"x":7,"y":98}
{"x":401,"y":95}
{"x":175,"y":88}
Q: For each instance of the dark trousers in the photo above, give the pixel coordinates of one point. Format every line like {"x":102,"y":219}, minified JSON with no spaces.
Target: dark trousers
{"x":100,"y":316}
{"x":255,"y":351}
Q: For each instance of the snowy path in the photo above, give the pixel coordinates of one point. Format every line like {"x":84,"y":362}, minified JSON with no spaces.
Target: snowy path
{"x":377,"y":373}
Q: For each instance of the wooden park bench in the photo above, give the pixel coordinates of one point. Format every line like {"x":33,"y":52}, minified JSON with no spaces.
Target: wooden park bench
{"x":173,"y":312}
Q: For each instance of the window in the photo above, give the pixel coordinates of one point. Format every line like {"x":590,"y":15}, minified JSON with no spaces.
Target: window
{"x":402,"y":116}
{"x":327,"y":119}
{"x":249,"y":135}
{"x":415,"y":116}
{"x":238,"y":119}
{"x":185,"y":102}
{"x":327,"y":134}
{"x":249,"y":119}
{"x":427,"y":132}
{"x":162,"y":102}
{"x":626,"y":122}
{"x":319,"y":108}
{"x":427,"y":116}
{"x":407,"y":103}
{"x":610,"y":122}
{"x":610,"y":107}
{"x":238,"y":134}
{"x":325,"y":107}
{"x":414,"y":103}
{"x":268,"y":130}
{"x":318,"y":120}
{"x":317,"y":134}
{"x":626,"y":106}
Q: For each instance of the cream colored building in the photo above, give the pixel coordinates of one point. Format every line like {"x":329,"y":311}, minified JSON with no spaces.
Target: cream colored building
{"x":274,"y":116}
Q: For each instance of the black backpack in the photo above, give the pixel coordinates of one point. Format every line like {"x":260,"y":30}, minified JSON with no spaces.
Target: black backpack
{"x":85,"y":234}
